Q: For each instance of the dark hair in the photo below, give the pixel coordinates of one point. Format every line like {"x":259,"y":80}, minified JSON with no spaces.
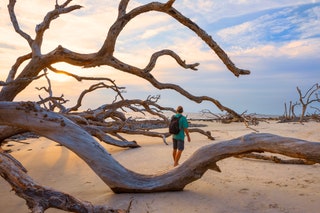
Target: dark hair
{"x":179,"y":109}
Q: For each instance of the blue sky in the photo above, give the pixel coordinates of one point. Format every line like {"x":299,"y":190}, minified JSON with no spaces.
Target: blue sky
{"x":279,"y":41}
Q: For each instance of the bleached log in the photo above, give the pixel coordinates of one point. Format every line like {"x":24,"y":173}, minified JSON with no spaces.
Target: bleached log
{"x":118,"y":178}
{"x":40,"y":198}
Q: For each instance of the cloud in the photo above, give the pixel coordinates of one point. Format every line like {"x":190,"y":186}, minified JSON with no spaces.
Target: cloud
{"x":309,"y":26}
{"x":149,"y":33}
{"x":307,"y":48}
{"x":212,"y":11}
{"x":282,"y":25}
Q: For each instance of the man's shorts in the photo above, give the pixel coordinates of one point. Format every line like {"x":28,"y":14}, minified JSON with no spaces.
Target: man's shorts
{"x":178,"y":144}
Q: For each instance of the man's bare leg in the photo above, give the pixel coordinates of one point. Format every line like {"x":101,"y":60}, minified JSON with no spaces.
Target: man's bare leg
{"x":177,"y":158}
{"x":174,"y":153}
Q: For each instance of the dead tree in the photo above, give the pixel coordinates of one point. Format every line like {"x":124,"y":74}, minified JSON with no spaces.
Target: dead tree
{"x":36,"y":62}
{"x":291,"y":116}
{"x":75,"y":130}
{"x":308,"y":98}
{"x":62,"y":130}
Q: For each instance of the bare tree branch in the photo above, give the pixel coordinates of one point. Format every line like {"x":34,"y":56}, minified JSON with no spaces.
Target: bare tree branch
{"x":306,"y":100}
{"x":80,"y":78}
{"x":15,"y":23}
{"x":276,"y":159}
{"x":41,"y":198}
{"x":119,"y":179}
{"x":44,"y":25}
{"x":156,"y":55}
{"x":15,"y":67}
{"x":105,"y":55}
{"x":20,"y":80}
{"x":122,"y":8}
{"x":92,"y":88}
{"x":169,"y":3}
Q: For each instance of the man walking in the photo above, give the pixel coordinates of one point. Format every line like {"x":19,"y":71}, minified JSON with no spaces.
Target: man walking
{"x":178,"y":139}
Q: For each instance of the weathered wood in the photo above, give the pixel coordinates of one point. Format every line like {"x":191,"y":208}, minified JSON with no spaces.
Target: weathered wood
{"x":104,"y":56}
{"x":40,"y":198}
{"x":8,"y":131}
{"x":275,"y":159}
{"x":36,"y":61}
{"x":120,"y":179}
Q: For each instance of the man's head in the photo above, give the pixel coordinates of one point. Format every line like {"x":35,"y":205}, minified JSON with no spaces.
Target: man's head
{"x":180,"y":109}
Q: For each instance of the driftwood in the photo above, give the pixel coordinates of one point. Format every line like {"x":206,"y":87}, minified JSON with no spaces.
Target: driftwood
{"x":276,"y":159}
{"x":119,"y":179}
{"x":40,"y":198}
{"x":247,"y":119}
{"x":65,"y":132}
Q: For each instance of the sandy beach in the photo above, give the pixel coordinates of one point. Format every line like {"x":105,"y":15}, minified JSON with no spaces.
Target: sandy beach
{"x":243,"y":186}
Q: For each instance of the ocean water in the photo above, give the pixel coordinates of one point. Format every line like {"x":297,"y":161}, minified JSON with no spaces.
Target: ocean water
{"x":189,"y":115}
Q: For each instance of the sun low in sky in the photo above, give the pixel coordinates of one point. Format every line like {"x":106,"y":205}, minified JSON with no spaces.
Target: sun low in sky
{"x":278,"y":41}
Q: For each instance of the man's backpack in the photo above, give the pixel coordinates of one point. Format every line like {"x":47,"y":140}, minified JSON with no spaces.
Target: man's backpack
{"x":174,"y":125}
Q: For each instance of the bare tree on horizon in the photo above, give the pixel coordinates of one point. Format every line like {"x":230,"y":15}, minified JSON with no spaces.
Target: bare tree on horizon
{"x":310,"y":97}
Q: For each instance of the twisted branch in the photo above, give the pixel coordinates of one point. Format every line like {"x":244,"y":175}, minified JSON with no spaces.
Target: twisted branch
{"x":40,"y":198}
{"x":120,"y":179}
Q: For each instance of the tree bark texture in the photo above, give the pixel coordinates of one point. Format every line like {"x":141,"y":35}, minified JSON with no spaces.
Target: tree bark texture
{"x":60,"y":129}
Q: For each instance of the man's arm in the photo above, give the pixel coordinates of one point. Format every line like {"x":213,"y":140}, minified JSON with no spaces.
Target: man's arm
{"x":187,"y":134}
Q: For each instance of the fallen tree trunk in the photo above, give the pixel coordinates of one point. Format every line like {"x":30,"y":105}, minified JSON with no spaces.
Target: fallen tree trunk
{"x":118,"y":178}
{"x":9,"y":131}
{"x":275,"y":159}
{"x":40,"y":198}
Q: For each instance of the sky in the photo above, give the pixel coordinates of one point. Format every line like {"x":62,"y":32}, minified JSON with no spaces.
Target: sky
{"x":278,"y":41}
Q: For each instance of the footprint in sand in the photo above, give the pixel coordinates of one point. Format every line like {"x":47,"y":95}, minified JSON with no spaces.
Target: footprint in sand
{"x":243,"y":191}
{"x":309,"y":181}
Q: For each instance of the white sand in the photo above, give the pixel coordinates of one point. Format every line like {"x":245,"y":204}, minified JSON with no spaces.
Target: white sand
{"x":243,"y":186}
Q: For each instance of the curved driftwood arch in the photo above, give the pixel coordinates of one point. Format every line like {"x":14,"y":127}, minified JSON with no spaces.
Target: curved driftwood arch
{"x":118,"y":178}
